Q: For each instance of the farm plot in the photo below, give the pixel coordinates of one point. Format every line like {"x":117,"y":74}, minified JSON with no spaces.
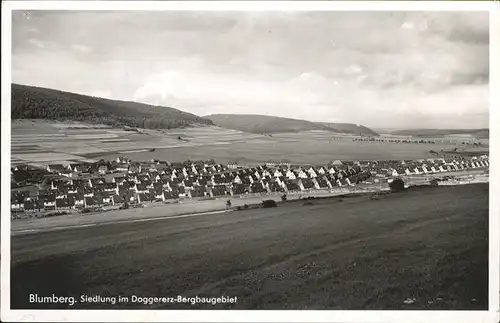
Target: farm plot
{"x":301,"y":151}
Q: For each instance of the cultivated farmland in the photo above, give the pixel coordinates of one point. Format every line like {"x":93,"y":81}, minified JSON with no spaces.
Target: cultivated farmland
{"x":42,"y":142}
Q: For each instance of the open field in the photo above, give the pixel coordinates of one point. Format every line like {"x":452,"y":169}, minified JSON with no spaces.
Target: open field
{"x":153,"y":211}
{"x":430,"y":245}
{"x":46,"y":142}
{"x":43,"y":142}
{"x":300,"y":151}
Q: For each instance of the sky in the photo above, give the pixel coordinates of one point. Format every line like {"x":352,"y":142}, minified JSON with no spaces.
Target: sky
{"x":378,"y":69}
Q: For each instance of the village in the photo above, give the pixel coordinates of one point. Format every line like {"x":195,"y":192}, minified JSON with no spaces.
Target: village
{"x":123,"y":183}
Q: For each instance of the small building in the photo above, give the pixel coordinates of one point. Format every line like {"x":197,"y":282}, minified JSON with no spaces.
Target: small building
{"x":219,"y":190}
{"x":291,"y":185}
{"x":239,"y":189}
{"x":257,"y":187}
{"x":274,"y":186}
{"x":306,"y":184}
{"x":197,"y":191}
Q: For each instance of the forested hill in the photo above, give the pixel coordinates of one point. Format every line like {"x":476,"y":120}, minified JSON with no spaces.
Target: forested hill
{"x":254,"y":123}
{"x":350,"y":128}
{"x":29,"y":102}
{"x":269,"y":124}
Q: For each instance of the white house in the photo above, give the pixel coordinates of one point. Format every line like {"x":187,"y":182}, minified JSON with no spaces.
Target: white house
{"x":290,"y":174}
{"x":312,"y":172}
{"x":159,"y":196}
{"x":277,"y":173}
{"x":237,"y":179}
{"x":88,"y":194}
{"x":266,"y":173}
{"x":49,"y":203}
{"x":79,"y":202}
{"x":303,"y":174}
{"x":108,"y":200}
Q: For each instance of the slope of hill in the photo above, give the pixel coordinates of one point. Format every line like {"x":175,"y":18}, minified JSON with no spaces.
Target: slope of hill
{"x":350,"y":128}
{"x":30,"y":102}
{"x":268,"y":124}
{"x":477,"y":133}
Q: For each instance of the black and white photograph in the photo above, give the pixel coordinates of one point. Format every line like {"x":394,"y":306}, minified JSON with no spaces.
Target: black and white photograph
{"x":202,"y":159}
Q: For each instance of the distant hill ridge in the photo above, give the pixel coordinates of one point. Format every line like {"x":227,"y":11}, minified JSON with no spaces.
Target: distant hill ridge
{"x":483,"y":133}
{"x":350,"y":128}
{"x":29,"y":102}
{"x":255,"y":123}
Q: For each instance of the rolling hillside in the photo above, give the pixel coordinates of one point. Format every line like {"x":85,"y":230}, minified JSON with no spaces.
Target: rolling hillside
{"x":350,"y":128}
{"x":268,"y":124}
{"x":477,"y":133}
{"x":30,"y":102}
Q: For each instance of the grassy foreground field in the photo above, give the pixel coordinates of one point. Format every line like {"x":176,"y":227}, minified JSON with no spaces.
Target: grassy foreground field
{"x":428,"y":245}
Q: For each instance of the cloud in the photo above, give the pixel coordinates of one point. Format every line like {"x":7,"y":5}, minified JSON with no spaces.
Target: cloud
{"x":38,"y":43}
{"x":102,"y":94}
{"x":407,"y":25}
{"x":81,"y":48}
{"x":31,"y":29}
{"x":352,"y":66}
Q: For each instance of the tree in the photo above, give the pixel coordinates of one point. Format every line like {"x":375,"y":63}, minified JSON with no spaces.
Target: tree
{"x":228,"y":203}
{"x":283,"y":198}
{"x":397,"y":185}
{"x":269,"y":203}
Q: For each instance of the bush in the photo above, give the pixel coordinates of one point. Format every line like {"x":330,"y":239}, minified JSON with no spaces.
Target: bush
{"x":85,"y":211}
{"x":55,"y":214}
{"x":245,"y":206}
{"x":269,"y":203}
{"x":239,"y":208}
{"x":283,"y":198}
{"x":397,"y":185}
{"x":434,"y":182}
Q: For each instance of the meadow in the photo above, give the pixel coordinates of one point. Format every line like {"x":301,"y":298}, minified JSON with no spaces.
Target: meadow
{"x":422,"y":249}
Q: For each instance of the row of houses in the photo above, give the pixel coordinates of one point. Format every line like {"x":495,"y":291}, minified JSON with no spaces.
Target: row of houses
{"x":153,"y":186}
{"x":430,"y":167}
{"x":150,"y":183}
{"x":126,"y":165}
